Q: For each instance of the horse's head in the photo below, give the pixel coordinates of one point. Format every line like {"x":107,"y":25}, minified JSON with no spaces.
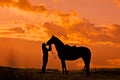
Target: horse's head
{"x":51,"y":40}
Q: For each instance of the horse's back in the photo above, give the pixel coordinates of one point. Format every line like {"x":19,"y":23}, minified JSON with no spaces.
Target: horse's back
{"x":82,"y":48}
{"x":73,"y":52}
{"x":85,"y":52}
{"x":80,"y":51}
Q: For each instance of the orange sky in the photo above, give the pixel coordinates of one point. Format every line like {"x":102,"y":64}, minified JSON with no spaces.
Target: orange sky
{"x":25,"y":24}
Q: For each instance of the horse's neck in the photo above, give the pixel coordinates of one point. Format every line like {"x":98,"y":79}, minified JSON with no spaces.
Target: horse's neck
{"x":59,"y":45}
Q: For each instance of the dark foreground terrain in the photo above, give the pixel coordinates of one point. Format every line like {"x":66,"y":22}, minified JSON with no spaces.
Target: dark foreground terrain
{"x":7,"y":73}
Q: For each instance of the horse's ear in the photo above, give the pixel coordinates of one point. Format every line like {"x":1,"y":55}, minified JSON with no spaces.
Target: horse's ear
{"x":53,"y":36}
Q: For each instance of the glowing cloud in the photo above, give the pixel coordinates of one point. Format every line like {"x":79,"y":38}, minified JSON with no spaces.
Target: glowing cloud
{"x":52,"y":22}
{"x":25,"y":31}
{"x":115,"y":61}
{"x":53,"y":29}
{"x":83,"y":32}
{"x":22,"y":4}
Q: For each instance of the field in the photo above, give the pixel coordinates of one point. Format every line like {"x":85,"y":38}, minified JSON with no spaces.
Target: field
{"x":8,"y":73}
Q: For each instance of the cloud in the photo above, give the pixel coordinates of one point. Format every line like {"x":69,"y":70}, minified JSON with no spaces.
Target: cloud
{"x":22,"y":4}
{"x":53,"y":29}
{"x":69,"y":28}
{"x":76,"y":30}
{"x":80,"y":30}
{"x":24,"y":31}
{"x":11,"y":28}
{"x":109,"y":33}
{"x":115,"y":62}
{"x":17,"y":30}
{"x":113,"y":30}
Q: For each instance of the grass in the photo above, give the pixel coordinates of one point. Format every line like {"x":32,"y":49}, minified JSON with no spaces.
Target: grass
{"x":8,"y":73}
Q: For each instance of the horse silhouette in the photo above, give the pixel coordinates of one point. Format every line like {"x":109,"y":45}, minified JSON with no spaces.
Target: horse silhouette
{"x":66,"y":52}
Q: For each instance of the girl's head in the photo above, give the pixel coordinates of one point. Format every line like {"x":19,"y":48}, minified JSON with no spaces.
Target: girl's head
{"x":43,"y":45}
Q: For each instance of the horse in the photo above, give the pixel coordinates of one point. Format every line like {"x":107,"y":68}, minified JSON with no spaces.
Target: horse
{"x":66,"y":52}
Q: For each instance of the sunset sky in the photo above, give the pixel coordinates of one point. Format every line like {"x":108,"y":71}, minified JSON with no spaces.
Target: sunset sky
{"x":25,"y":24}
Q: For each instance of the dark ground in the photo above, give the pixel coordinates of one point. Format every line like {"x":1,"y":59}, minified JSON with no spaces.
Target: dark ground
{"x":7,"y":73}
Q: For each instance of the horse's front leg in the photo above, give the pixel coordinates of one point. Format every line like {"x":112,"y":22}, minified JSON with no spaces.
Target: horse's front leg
{"x":64,"y":67}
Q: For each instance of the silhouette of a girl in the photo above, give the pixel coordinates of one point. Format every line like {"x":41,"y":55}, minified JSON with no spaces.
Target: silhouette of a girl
{"x":45,"y":56}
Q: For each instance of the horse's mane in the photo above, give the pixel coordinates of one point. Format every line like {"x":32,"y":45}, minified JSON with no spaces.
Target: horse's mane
{"x":66,"y":45}
{"x":59,"y":41}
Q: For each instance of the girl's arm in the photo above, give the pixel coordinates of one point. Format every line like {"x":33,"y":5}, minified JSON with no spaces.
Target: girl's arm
{"x":50,"y":48}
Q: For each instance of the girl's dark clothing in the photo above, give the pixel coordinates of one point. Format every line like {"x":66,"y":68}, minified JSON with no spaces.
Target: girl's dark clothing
{"x":45,"y":56}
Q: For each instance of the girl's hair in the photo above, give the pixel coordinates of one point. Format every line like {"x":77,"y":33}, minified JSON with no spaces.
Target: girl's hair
{"x":43,"y":45}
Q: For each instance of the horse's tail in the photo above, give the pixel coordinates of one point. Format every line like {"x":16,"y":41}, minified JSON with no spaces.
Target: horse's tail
{"x":90,"y":54}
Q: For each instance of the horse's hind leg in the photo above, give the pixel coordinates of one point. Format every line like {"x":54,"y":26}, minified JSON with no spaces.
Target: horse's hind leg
{"x":64,"y":67}
{"x":87,"y":66}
